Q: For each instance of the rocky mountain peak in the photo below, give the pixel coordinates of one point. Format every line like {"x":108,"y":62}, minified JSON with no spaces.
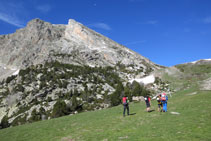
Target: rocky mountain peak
{"x":36,"y":22}
{"x":39,"y":29}
{"x":73,"y":43}
{"x":72,"y":22}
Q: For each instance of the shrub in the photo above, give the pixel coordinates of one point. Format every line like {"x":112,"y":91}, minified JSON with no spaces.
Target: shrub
{"x":42,"y":85}
{"x":10,"y":78}
{"x":74,"y":103}
{"x":35,"y":116}
{"x":23,"y":72}
{"x":136,"y":89}
{"x":19,"y":88}
{"x":59,"y":109}
{"x":49,"y":99}
{"x":115,"y":99}
{"x":4,"y":122}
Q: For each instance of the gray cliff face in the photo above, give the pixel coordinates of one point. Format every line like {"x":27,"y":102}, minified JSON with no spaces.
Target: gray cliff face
{"x":74,"y":43}
{"x":30,"y":44}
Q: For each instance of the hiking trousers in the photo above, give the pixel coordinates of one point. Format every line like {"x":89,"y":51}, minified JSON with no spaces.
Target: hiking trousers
{"x":126,"y":107}
{"x":164,"y":106}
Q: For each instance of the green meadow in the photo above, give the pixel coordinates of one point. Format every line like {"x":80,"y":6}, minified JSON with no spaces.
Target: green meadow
{"x":192,"y":123}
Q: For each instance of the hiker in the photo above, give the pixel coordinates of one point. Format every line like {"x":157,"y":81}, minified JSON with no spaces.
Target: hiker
{"x":125,"y":103}
{"x":147,"y":100}
{"x":164,"y":99}
{"x":160,"y":105}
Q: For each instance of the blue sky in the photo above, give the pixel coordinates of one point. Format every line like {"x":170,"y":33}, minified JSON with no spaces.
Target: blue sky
{"x":168,"y":32}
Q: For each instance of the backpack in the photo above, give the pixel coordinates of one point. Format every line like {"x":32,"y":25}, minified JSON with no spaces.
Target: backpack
{"x":124,"y":100}
{"x":149,"y":99}
{"x":163,"y":97}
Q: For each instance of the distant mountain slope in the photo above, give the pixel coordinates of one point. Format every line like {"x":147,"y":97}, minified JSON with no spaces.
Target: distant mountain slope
{"x":193,"y":74}
{"x":202,"y":61}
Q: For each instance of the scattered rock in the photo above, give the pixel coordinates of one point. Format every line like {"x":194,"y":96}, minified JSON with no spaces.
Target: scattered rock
{"x":194,"y":93}
{"x":126,"y":137}
{"x":175,"y":113}
{"x":138,"y":98}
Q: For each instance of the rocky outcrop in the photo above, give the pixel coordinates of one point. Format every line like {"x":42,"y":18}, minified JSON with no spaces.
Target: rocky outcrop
{"x":206,"y":85}
{"x":73,"y":43}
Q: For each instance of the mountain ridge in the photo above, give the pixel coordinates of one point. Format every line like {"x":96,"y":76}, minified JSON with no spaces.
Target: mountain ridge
{"x":41,"y":41}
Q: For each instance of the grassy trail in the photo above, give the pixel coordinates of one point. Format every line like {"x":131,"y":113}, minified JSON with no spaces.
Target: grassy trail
{"x":193,"y":123}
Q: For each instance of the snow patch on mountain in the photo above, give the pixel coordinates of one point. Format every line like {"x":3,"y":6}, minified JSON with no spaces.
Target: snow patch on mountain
{"x":194,"y":62}
{"x":146,"y":80}
{"x":16,"y":72}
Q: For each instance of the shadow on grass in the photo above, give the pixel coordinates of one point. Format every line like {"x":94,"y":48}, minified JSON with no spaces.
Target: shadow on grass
{"x":132,"y":114}
{"x":151,"y":111}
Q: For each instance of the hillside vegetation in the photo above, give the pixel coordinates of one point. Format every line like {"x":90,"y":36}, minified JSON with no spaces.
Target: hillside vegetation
{"x":192,"y":123}
{"x":54,"y":89}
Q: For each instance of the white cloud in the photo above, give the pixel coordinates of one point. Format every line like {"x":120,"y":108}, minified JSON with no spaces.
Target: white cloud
{"x":207,"y":20}
{"x":44,"y":8}
{"x":9,"y":13}
{"x":100,"y":25}
{"x":11,"y":20}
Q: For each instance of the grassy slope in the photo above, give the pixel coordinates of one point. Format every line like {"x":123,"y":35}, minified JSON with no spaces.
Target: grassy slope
{"x":193,"y":123}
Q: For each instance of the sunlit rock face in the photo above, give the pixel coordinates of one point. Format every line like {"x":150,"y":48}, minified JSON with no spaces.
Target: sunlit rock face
{"x":73,"y":43}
